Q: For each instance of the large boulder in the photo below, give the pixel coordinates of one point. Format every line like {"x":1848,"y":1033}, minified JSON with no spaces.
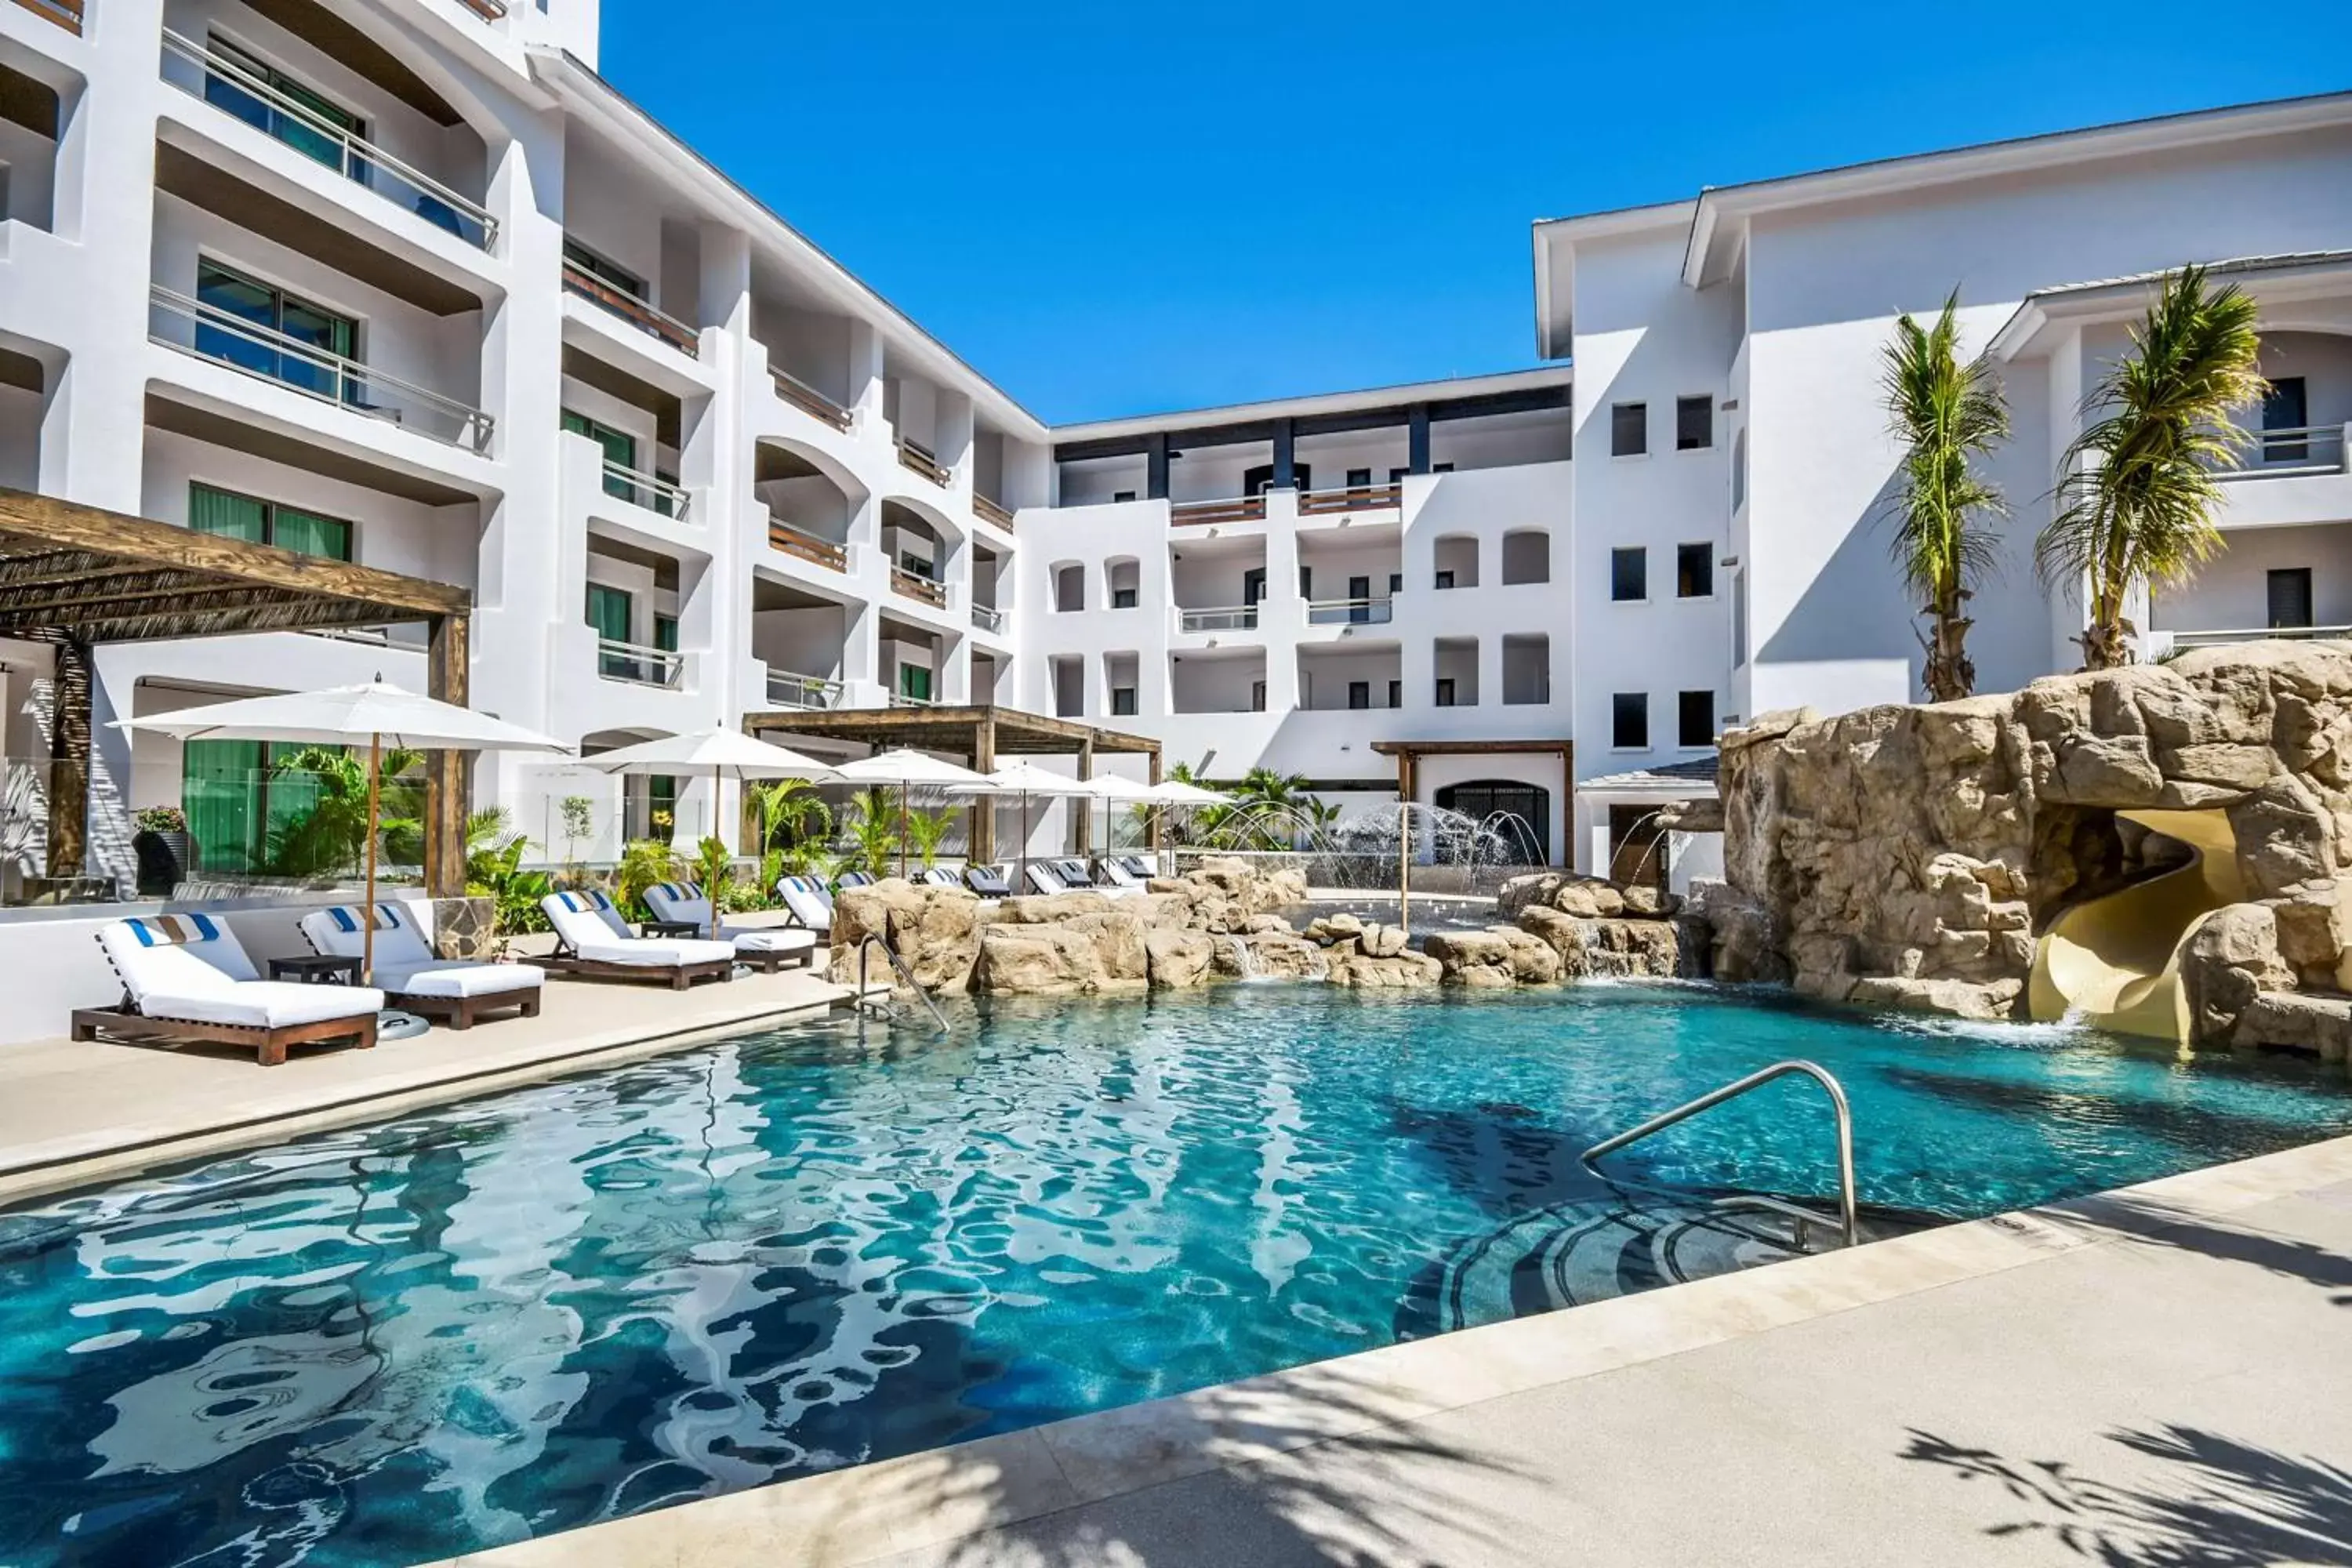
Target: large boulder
{"x":1494,"y":959}
{"x":1394,"y":972}
{"x":2319,"y":1024}
{"x":934,"y":932}
{"x":1273,"y":956}
{"x":1119,"y":948}
{"x":1024,"y":960}
{"x":1953,"y":998}
{"x":2232,"y":957}
{"x":1050,"y":909}
{"x":1609,"y":949}
{"x":1177,"y":957}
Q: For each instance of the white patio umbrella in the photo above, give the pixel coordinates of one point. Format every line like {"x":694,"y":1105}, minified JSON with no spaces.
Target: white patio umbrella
{"x":342,"y":716}
{"x":908,"y":770}
{"x":1176,"y":792}
{"x":1112,"y":790}
{"x":721,"y":754}
{"x":1029,"y":781}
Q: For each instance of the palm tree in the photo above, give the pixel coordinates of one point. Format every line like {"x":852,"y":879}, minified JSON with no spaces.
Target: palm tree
{"x":791,"y":809}
{"x":1944,"y":413}
{"x":1269,"y":808}
{"x":2137,"y":489}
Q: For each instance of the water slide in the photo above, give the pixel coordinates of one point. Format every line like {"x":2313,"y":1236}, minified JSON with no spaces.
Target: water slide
{"x":2115,"y":961}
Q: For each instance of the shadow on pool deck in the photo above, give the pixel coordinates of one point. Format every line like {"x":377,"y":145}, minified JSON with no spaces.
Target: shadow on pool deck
{"x":2219,"y":1503}
{"x":2156,"y":1224}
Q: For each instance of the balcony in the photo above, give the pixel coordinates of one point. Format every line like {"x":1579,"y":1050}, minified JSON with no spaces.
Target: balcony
{"x":632,"y":310}
{"x":2310,"y":449}
{"x":915,"y":455}
{"x":65,"y":14}
{"x":235,"y":90}
{"x":810,"y":693}
{"x":900,"y":699}
{"x":809,"y":400}
{"x":636,"y":664}
{"x":1226,"y":618}
{"x":650,"y":491}
{"x":1234,"y":509}
{"x":993,"y":512}
{"x":988,"y":618}
{"x":782,"y":536}
{"x":488,"y":10}
{"x":1361,"y":498}
{"x":913,"y":585}
{"x":179,"y":322}
{"x":1349,"y":612}
{"x":2155,"y":645}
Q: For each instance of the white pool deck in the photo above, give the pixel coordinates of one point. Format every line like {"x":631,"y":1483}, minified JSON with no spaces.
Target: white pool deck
{"x":2155,"y":1378}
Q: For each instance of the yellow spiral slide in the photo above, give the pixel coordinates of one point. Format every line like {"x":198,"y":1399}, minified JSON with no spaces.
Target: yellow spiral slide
{"x":2116,"y":961}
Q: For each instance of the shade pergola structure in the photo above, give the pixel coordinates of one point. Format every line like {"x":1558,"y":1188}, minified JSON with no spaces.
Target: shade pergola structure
{"x":980,"y":733}
{"x":76,"y":577}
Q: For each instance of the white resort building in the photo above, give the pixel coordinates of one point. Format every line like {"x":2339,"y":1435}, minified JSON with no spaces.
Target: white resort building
{"x":407,"y":282}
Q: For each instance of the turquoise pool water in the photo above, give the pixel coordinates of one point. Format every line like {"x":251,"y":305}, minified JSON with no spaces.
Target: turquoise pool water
{"x":626,"y":1290}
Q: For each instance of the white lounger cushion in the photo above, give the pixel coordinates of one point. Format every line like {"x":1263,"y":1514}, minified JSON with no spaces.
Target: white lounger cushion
{"x":584,"y":930}
{"x":336,"y":932}
{"x":807,"y":900}
{"x":768,"y":939}
{"x":264,"y":1004}
{"x":454,"y":980}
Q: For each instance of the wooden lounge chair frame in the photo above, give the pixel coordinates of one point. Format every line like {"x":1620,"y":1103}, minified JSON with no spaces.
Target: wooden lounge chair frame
{"x":128,"y":1024}
{"x":565,"y":960}
{"x":460,"y":1012}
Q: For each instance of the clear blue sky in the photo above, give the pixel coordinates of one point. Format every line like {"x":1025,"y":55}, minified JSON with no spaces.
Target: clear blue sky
{"x":1112,"y":206}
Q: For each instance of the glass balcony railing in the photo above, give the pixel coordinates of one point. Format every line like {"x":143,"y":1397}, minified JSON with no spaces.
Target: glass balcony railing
{"x":1347,"y":612}
{"x":2312,"y":448}
{"x":988,"y":618}
{"x":1224,"y":618}
{"x":179,"y":322}
{"x":788,"y":689}
{"x":234,"y":88}
{"x":637,"y":665}
{"x":650,"y":491}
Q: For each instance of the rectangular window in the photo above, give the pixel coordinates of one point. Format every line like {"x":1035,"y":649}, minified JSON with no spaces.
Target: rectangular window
{"x":301,"y":131}
{"x":1360,"y":694}
{"x":259,"y":522}
{"x":1396,"y":584}
{"x":1122,"y":701}
{"x":1445,"y":692}
{"x":611,"y":612}
{"x":1695,"y":719}
{"x":915,"y":682}
{"x":1360,"y":478}
{"x":1122,"y":598}
{"x":1694,"y":571}
{"x":1306,"y":582}
{"x":1629,"y":575}
{"x":1629,"y":429}
{"x":914,"y":565}
{"x":1396,"y":693}
{"x":579,"y":258}
{"x":289,"y":339}
{"x":1441,"y":467}
{"x":1694,"y":424}
{"x":1739,"y":619}
{"x":1119,"y":496}
{"x":2286,"y":407}
{"x":1396,"y":476}
{"x":1628,"y":721}
{"x":1444,"y":580}
{"x":665,"y":633}
{"x":2290,"y":596}
{"x":1257,"y":696}
{"x":620,"y":452}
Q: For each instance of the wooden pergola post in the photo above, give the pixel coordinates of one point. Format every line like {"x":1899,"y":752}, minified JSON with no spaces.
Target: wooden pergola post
{"x":1086,"y":808}
{"x":70,"y":756}
{"x":446,"y":796}
{"x":1159,"y":813}
{"x":980,"y":841}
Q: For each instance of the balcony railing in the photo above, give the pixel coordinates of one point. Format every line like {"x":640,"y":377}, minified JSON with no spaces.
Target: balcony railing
{"x":650,"y":491}
{"x":916,"y":586}
{"x":236,"y":91}
{"x":488,"y":10}
{"x":638,"y":665}
{"x":988,"y":618}
{"x":2307,"y":449}
{"x":1347,"y":612}
{"x":2156,"y":645}
{"x":783,"y":536}
{"x":65,"y":14}
{"x":916,"y":456}
{"x":787,"y":689}
{"x":178,"y":321}
{"x":1234,"y":509}
{"x":1226,"y":618}
{"x":632,"y":310}
{"x":1358,"y":498}
{"x":809,"y":400}
{"x":994,"y":511}
{"x":900,"y":699}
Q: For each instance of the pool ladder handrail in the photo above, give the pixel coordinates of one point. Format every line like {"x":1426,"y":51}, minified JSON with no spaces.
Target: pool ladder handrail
{"x":873,"y":941}
{"x":1848,"y":1221}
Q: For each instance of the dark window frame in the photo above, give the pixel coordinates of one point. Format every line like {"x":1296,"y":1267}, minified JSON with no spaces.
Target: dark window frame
{"x":1639,"y":556}
{"x":1629,"y":714}
{"x":1629,"y":429}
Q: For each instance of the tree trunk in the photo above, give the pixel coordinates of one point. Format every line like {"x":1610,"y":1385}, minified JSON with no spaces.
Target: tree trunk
{"x":2106,"y":645}
{"x":1948,"y":673}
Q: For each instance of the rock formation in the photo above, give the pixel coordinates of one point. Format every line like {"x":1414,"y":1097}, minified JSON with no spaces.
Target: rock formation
{"x":1601,"y":929}
{"x":1909,"y":855}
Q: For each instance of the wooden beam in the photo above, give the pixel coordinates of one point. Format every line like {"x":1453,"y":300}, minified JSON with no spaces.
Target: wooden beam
{"x":981,"y":837}
{"x":447,"y":794}
{"x":1467,"y":748}
{"x":1159,"y":813}
{"x":63,"y":566}
{"x":187,"y":590}
{"x":69,"y":757}
{"x":1086,"y":808}
{"x":164,"y":624}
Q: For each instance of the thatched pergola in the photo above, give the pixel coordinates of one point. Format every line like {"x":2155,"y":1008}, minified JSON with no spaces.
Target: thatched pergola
{"x":76,"y":577}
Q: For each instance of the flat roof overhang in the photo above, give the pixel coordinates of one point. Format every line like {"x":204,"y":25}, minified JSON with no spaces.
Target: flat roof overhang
{"x":953,"y":730}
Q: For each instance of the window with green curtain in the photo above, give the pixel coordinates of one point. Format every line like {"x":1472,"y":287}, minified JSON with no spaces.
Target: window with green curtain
{"x":235,"y":516}
{"x":221,"y":792}
{"x":665,"y":633}
{"x":610,"y":612}
{"x":915,"y":682}
{"x":308,"y":533}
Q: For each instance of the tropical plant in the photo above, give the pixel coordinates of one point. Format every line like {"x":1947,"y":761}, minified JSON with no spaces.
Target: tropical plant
{"x":494,"y":870}
{"x":714,"y":866}
{"x":872,"y":834}
{"x":161,"y":819}
{"x":331,"y":837}
{"x":2137,"y":489}
{"x":579,"y":814}
{"x":1946,"y":413}
{"x":644,"y":862}
{"x":926,"y":831}
{"x":1270,"y":811}
{"x":791,"y":810}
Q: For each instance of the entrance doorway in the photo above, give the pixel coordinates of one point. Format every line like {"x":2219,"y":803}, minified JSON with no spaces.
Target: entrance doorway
{"x":1521,"y":813}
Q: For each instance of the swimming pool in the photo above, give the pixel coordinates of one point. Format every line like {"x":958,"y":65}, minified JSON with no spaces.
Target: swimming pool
{"x":785,"y":1253}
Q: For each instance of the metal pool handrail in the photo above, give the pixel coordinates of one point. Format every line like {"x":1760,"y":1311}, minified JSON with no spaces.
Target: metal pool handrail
{"x":1848,"y":1218}
{"x":906,"y":974}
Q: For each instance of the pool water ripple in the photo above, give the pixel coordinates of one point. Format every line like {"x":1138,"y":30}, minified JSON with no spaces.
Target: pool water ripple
{"x":786,"y":1253}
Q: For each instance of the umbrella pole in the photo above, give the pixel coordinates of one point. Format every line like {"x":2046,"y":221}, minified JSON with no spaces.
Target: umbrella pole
{"x":902,"y":831}
{"x":712,"y":893}
{"x":1023,"y":886}
{"x":375,"y":801}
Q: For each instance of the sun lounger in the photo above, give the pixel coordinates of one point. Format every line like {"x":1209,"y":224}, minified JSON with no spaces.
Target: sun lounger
{"x":1073,"y":873}
{"x":678,"y":906}
{"x":988,"y":881}
{"x":593,"y":942}
{"x":1137,"y":867}
{"x":186,"y":977}
{"x":853,"y":880}
{"x":1043,"y":880}
{"x":938,"y":877}
{"x":1110,"y":873}
{"x":408,"y":972}
{"x":808,"y":901}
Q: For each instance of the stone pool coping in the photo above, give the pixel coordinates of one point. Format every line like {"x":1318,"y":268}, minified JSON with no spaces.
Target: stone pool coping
{"x":74,"y":1113}
{"x":941,"y":1496}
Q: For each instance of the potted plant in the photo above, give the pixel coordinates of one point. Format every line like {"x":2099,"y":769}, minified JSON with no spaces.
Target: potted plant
{"x":166,"y":851}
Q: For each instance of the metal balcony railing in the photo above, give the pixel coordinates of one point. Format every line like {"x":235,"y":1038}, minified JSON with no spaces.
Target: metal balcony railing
{"x":638,"y":665}
{"x":1233,"y":509}
{"x":809,"y":400}
{"x":1347,"y":612}
{"x":65,"y":14}
{"x":2157,"y":644}
{"x":488,"y":10}
{"x":632,"y":310}
{"x":916,"y":586}
{"x":783,"y":536}
{"x":236,"y":91}
{"x":650,"y":491}
{"x":900,"y":699}
{"x":918,"y":458}
{"x":787,"y":689}
{"x":1226,"y":618}
{"x":2310,"y":448}
{"x":990,"y":510}
{"x":179,"y":322}
{"x":1357,"y":498}
{"x":988,"y":618}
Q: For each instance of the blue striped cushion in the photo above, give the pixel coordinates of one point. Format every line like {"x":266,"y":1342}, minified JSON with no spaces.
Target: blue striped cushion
{"x":172,"y":930}
{"x":388,"y":918}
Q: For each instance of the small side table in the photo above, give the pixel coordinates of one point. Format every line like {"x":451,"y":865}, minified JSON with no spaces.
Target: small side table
{"x":674,"y":928}
{"x":316,"y":969}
